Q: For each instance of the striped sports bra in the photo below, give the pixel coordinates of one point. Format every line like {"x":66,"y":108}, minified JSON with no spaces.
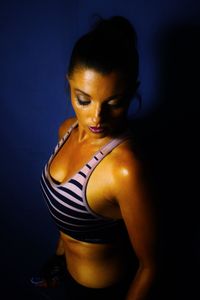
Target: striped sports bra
{"x":67,"y":201}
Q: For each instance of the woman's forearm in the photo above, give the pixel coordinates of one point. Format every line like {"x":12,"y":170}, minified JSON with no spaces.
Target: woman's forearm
{"x":142,"y":284}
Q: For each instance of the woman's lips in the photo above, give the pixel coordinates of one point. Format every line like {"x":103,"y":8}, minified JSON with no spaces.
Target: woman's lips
{"x":96,"y":129}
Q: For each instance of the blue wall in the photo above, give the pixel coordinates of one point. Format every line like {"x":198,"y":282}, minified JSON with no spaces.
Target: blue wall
{"x":36,"y":41}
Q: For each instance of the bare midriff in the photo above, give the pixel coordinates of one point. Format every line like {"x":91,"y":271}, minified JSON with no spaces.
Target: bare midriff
{"x":94,"y":265}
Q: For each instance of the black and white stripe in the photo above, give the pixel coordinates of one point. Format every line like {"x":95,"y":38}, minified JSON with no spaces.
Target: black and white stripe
{"x":67,"y":202}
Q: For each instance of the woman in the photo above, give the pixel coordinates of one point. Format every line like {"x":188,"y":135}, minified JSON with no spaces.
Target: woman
{"x":94,"y":184}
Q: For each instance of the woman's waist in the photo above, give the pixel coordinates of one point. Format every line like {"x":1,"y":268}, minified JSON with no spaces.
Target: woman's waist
{"x":95,"y":265}
{"x":92,"y":251}
{"x":96,"y":272}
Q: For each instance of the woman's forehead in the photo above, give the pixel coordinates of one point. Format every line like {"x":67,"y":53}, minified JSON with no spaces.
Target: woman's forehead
{"x":90,"y":79}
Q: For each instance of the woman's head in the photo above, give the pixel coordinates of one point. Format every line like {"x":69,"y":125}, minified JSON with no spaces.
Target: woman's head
{"x":102,"y":75}
{"x":109,"y":47}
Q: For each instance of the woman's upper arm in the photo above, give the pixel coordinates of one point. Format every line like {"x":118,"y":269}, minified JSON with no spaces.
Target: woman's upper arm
{"x":137,"y":209}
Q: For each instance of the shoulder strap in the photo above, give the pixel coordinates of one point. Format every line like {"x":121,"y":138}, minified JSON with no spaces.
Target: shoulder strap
{"x":115,"y":142}
{"x":97,"y":158}
{"x":106,"y":149}
{"x":63,"y":139}
{"x":70,"y":130}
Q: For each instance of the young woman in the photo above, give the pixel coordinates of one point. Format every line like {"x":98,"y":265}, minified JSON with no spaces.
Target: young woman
{"x":94,"y":184}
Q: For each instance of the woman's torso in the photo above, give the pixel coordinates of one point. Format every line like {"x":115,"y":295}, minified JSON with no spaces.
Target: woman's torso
{"x":94,"y":265}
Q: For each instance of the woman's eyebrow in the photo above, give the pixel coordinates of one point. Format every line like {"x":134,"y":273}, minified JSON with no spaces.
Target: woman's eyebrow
{"x":78,"y":90}
{"x":107,"y":99}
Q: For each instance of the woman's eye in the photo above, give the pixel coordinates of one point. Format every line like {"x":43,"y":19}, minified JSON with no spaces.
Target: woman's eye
{"x":82,"y":102}
{"x":114,"y":103}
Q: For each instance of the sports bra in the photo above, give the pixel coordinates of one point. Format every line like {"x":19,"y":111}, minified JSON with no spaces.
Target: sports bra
{"x":68,"y":204}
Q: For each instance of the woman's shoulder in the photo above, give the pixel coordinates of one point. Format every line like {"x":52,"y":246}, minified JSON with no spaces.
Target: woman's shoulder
{"x":127,"y":170}
{"x":65,"y":126}
{"x":125,"y":160}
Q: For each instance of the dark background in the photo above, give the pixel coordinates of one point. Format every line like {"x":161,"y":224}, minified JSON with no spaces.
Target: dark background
{"x":36,"y":41}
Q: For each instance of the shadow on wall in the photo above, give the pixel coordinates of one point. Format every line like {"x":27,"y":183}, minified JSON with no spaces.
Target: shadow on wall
{"x":167,"y":140}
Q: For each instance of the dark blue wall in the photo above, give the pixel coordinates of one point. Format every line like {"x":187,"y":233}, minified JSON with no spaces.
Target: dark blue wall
{"x":36,"y":41}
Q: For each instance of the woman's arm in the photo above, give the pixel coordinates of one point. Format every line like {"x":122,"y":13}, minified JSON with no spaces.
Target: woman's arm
{"x":139,"y":216}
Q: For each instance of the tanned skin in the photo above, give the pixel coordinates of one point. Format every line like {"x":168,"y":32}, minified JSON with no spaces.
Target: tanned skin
{"x":117,"y":187}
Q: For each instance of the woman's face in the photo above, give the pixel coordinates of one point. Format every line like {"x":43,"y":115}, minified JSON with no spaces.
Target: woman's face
{"x":98,"y":101}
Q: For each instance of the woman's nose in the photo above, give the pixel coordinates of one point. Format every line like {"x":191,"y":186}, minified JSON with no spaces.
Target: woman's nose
{"x":97,"y":115}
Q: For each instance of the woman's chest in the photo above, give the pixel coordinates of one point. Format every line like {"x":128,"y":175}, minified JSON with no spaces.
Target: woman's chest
{"x":98,"y":177}
{"x":68,"y":161}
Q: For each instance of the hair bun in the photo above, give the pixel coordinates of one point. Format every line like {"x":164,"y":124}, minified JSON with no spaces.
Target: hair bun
{"x":117,"y":29}
{"x":109,"y":46}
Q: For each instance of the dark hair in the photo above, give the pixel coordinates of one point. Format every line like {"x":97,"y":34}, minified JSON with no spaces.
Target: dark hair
{"x":109,"y":46}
